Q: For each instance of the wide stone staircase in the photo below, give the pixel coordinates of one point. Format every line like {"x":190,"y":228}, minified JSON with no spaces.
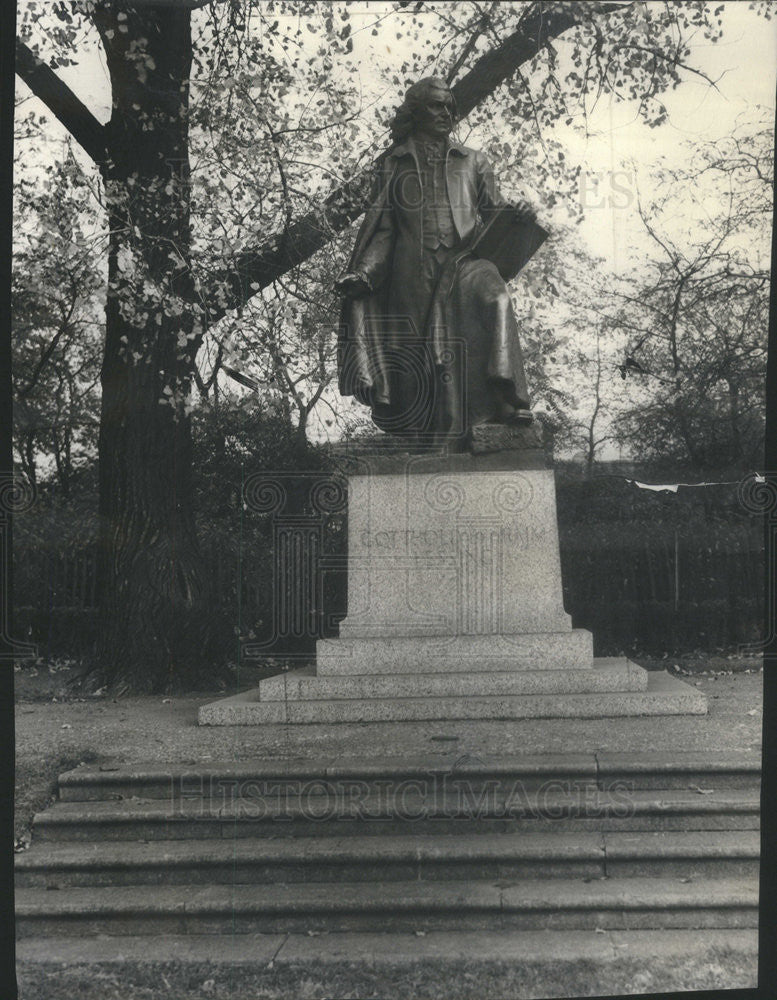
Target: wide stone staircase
{"x":589,"y":841}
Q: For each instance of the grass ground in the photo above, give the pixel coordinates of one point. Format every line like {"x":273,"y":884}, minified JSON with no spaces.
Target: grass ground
{"x":717,"y":969}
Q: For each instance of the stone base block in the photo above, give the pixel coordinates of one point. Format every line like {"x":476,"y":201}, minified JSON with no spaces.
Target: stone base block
{"x":570,"y":650}
{"x":455,"y":554}
{"x":616,"y":674}
{"x":663,"y":695}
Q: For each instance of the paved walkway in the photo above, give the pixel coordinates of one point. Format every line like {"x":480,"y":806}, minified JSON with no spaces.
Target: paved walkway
{"x":134,"y":730}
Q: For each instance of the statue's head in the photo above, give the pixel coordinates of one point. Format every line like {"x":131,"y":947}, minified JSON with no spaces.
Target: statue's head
{"x":428,"y":107}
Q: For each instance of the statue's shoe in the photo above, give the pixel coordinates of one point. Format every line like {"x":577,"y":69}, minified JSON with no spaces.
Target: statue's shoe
{"x":512,"y":417}
{"x":520,"y":418}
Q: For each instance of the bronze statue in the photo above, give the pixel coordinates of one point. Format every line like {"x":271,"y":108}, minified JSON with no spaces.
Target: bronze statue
{"x":428,"y":337}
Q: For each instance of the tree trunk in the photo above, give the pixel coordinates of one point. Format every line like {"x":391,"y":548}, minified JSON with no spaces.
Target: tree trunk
{"x":60,"y":460}
{"x":736,"y":435}
{"x":589,"y":458}
{"x":301,"y":432}
{"x":27,"y":456}
{"x":68,"y":457}
{"x":695,"y":450}
{"x":154,"y":601}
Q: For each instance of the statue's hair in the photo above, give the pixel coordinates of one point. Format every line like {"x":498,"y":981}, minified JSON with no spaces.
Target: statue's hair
{"x":402,"y":123}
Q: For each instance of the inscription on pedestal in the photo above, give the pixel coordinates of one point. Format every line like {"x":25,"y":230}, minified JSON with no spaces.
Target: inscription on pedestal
{"x":445,"y":541}
{"x":458,"y":554}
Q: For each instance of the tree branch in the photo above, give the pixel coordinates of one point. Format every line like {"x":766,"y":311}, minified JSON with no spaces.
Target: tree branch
{"x":182,"y":4}
{"x":450,"y":76}
{"x":258,"y":267}
{"x":61,"y":101}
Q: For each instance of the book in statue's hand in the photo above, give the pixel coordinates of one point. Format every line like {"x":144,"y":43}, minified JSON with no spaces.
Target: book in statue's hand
{"x":510,"y":239}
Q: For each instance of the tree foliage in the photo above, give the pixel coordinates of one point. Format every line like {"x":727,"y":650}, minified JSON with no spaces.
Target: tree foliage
{"x":58,"y":292}
{"x":696,"y":313}
{"x":240,"y":145}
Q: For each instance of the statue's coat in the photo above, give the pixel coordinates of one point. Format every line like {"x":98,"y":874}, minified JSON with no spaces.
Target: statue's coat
{"x":409,"y":303}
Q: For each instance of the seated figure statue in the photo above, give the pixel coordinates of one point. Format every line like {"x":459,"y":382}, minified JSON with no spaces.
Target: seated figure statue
{"x":428,"y":337}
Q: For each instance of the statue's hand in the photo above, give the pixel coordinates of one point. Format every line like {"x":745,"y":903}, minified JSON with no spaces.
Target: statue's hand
{"x":352,"y":285}
{"x":525,"y":212}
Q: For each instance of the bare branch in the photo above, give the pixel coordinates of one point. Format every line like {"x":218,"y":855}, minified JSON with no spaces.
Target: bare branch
{"x":470,"y":45}
{"x":181,"y":4}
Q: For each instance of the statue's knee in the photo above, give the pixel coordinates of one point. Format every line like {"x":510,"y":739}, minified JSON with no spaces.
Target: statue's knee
{"x":500,"y":302}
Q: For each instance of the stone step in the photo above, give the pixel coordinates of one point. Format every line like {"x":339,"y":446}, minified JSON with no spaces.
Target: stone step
{"x":569,"y":650}
{"x":501,"y":962}
{"x":616,"y":674}
{"x":698,"y":855}
{"x":697,"y":771}
{"x":313,"y":859}
{"x":342,"y":777}
{"x":390,"y":906}
{"x":664,"y":695}
{"x":403,"y":809}
{"x":339,"y":776}
{"x":380,"y":858}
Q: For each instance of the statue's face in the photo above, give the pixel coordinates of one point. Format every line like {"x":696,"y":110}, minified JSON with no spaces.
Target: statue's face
{"x":434,"y":116}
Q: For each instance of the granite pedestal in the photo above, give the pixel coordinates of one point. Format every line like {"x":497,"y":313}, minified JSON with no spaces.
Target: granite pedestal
{"x":455,"y":604}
